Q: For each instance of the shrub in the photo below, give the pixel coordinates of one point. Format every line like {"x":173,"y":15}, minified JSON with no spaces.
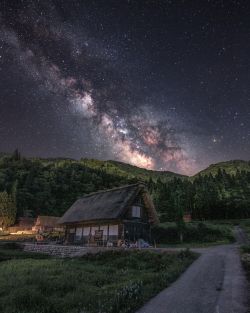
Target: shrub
{"x":245,"y":259}
{"x":11,"y":245}
{"x":193,"y":232}
{"x":245,"y":249}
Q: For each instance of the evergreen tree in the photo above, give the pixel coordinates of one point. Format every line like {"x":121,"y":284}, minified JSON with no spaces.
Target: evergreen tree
{"x":7,"y":209}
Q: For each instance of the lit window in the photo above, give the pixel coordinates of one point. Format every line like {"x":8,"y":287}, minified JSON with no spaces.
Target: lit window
{"x":136,"y":211}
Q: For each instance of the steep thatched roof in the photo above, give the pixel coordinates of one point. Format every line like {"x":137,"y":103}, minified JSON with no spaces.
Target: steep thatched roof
{"x":107,"y":205}
{"x":49,"y":221}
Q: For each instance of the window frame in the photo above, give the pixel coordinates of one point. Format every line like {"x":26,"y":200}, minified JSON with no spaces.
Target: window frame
{"x":136,"y":211}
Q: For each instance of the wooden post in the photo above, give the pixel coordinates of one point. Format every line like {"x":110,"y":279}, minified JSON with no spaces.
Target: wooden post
{"x":108,"y":233}
{"x":90,"y":234}
{"x":82,"y":234}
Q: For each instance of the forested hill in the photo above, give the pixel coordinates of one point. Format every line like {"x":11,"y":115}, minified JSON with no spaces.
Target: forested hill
{"x":50,"y":186}
{"x":230,"y":167}
{"x":130,"y":171}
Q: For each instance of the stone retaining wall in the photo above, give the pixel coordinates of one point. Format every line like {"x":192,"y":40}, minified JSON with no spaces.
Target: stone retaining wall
{"x":61,"y":250}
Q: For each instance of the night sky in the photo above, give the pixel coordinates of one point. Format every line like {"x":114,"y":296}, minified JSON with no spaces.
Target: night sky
{"x":163,"y":85}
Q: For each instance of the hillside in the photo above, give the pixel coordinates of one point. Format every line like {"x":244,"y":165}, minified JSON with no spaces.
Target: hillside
{"x":230,"y":167}
{"x":129,"y":171}
{"x":50,"y":186}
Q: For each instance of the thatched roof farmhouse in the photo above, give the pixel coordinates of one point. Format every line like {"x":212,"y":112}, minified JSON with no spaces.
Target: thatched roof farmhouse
{"x":123,"y":213}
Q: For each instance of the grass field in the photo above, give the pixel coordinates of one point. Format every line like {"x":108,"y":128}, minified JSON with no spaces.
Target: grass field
{"x":196,"y":233}
{"x":245,"y":224}
{"x":111,"y":282}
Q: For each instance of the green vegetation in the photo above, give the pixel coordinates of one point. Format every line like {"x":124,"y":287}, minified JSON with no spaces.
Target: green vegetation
{"x":230,"y":167}
{"x":12,"y":250}
{"x":168,"y":233}
{"x":130,"y":171}
{"x":8,"y":208}
{"x":245,"y":259}
{"x":222,"y":196}
{"x":245,"y":225}
{"x":110,"y":282}
{"x":245,"y":249}
{"x":50,"y":186}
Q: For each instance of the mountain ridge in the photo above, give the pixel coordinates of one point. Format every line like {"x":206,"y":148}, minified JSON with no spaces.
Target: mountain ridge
{"x":132,"y":171}
{"x":230,"y":167}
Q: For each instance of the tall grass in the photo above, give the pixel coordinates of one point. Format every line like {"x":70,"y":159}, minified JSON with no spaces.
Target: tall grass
{"x":110,"y":282}
{"x":167,"y":233}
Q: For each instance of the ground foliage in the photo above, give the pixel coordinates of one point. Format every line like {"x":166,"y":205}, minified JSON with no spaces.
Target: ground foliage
{"x":110,"y":282}
{"x":199,"y":232}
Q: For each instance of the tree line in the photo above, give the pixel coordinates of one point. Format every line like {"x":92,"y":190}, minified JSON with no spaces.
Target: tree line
{"x":49,"y":187}
{"x":220,"y":196}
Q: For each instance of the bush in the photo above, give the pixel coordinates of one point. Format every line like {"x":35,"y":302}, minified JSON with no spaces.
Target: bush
{"x":245,"y":259}
{"x":11,"y":245}
{"x":193,"y":232}
{"x":245,"y":249}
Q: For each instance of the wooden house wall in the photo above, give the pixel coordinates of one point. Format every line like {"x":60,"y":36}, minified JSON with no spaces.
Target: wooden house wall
{"x":85,"y":232}
{"x":112,"y":232}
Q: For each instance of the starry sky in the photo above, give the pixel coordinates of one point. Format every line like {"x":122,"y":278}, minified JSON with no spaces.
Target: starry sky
{"x":163,"y":85}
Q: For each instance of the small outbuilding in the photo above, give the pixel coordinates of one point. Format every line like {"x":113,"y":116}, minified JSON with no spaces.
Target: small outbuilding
{"x":46,"y":224}
{"x":111,"y":217}
{"x":24,"y":224}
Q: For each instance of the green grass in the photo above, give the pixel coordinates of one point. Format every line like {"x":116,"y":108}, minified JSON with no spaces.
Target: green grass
{"x":245,"y":249}
{"x":110,"y":282}
{"x":194,"y":244}
{"x":194,"y":234}
{"x":245,"y":224}
{"x":245,"y":259}
{"x":11,"y":250}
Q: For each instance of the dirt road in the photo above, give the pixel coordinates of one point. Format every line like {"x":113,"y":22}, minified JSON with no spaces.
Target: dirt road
{"x":214,"y":283}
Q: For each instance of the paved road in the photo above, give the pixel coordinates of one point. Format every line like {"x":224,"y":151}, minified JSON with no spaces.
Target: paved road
{"x":214,"y":283}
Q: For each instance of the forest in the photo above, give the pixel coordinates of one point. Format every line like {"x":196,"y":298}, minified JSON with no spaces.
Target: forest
{"x":50,"y":186}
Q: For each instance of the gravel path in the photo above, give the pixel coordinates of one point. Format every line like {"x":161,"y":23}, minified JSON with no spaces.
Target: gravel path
{"x":214,"y":283}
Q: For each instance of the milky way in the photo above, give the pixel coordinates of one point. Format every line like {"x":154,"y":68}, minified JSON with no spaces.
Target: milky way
{"x":105,"y":105}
